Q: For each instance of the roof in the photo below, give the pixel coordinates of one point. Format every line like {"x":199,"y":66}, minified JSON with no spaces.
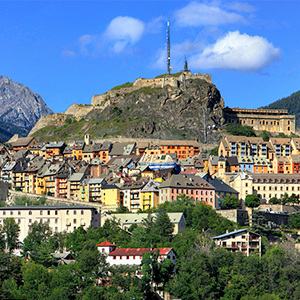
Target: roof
{"x":131,"y":218}
{"x":47,"y":207}
{"x":221,"y":186}
{"x":184,"y":181}
{"x":280,"y":141}
{"x":109,"y":187}
{"x":233,"y":161}
{"x":24,"y":141}
{"x":95,"y":181}
{"x":55,"y":145}
{"x":77,"y":177}
{"x":138,"y":251}
{"x":233,"y":232}
{"x":105,"y":244}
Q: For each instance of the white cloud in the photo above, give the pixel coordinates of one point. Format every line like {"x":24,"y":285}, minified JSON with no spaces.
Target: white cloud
{"x":68,"y":53}
{"x":123,"y":31}
{"x":156,"y":25}
{"x":238,"y":52}
{"x":242,"y":6}
{"x":199,"y":14}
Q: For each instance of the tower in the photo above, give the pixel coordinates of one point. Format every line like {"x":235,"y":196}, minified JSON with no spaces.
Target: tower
{"x":168,"y":50}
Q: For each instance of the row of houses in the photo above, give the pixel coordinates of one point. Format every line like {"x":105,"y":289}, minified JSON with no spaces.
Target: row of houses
{"x":87,"y":149}
{"x":255,"y":146}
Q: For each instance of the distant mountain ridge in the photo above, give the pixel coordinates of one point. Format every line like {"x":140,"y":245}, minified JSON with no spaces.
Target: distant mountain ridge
{"x":19,"y":106}
{"x":291,"y":103}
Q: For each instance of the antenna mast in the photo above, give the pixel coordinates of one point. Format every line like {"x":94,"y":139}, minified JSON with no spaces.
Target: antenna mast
{"x":168,"y":50}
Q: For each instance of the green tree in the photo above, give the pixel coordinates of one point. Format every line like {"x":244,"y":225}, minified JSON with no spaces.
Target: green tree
{"x":274,"y":200}
{"x":214,"y":151}
{"x":294,"y":221}
{"x":252,"y":200}
{"x":265,"y":136}
{"x":230,"y":202}
{"x":38,"y":244}
{"x":12,"y":231}
{"x":163,"y":226}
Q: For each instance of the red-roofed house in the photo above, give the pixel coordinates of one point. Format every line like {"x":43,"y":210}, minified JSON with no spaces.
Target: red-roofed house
{"x":132,"y":256}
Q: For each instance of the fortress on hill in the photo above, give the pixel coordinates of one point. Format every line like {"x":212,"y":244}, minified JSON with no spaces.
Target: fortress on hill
{"x":104,"y":100}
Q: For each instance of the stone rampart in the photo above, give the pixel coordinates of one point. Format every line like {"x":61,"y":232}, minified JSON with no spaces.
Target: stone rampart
{"x":59,"y":201}
{"x":104,"y":100}
{"x":236,"y":215}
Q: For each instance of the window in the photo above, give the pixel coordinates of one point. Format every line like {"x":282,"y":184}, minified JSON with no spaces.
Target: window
{"x":11,"y":213}
{"x":56,"y":228}
{"x":48,"y":212}
{"x":74,"y":228}
{"x":41,"y":212}
{"x":114,"y":257}
{"x":127,"y":257}
{"x":74,"y":212}
{"x":67,"y":212}
{"x":56,"y":221}
{"x":19,"y":221}
{"x":56,"y":212}
{"x":4,"y":213}
{"x":103,"y":250}
{"x":82,"y":212}
{"x":30,"y":220}
{"x":19,"y":213}
{"x":48,"y":220}
{"x":134,"y":257}
{"x":74,"y":221}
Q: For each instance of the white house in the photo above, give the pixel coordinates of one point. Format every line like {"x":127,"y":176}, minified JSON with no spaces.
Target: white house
{"x":132,"y":256}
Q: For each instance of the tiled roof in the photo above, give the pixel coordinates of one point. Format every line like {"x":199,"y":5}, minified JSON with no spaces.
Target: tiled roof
{"x":105,"y":243}
{"x":138,"y":251}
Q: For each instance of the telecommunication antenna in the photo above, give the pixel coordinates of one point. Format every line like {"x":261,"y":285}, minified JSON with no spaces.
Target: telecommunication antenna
{"x":168,"y":50}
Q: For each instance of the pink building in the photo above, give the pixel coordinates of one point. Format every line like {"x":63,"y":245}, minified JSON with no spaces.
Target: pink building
{"x":192,"y":186}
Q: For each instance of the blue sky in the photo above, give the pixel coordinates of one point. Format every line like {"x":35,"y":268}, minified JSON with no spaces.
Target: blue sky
{"x":68,"y":51}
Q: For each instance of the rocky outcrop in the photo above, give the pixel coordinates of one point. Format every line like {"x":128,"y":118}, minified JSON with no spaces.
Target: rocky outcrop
{"x":19,"y":105}
{"x":168,"y":112}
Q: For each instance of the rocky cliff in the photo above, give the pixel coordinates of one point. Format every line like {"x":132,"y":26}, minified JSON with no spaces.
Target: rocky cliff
{"x":169,"y":112}
{"x":19,"y":105}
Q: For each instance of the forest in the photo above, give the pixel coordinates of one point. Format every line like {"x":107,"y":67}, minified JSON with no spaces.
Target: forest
{"x":202,"y":270}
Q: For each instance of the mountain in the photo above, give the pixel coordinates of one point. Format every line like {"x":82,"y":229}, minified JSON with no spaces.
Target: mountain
{"x":143,"y":109}
{"x":291,"y":103}
{"x":20,"y":107}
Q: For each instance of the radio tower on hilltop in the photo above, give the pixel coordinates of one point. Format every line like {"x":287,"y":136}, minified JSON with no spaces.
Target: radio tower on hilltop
{"x":168,"y":50}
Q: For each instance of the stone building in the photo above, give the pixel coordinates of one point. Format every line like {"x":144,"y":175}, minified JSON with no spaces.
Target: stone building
{"x":272,"y":120}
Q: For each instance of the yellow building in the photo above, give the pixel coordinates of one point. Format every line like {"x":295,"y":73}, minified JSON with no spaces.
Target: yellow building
{"x":150,"y":195}
{"x":272,"y":120}
{"x":111,"y":195}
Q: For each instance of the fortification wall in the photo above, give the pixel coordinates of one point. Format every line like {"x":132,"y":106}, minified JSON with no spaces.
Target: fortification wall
{"x":104,"y":100}
{"x":78,"y":110}
{"x":59,"y":201}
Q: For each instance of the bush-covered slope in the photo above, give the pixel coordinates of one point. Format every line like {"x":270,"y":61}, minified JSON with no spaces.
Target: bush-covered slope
{"x":291,"y":103}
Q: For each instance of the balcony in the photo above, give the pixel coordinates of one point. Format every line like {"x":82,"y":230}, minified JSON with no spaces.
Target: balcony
{"x":68,"y":223}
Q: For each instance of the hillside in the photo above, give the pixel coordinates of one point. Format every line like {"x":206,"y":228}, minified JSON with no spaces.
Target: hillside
{"x":167,"y":112}
{"x":20,"y":107}
{"x":291,"y":103}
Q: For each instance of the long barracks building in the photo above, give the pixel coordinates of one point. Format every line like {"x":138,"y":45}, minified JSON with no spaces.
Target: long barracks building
{"x":272,"y":120}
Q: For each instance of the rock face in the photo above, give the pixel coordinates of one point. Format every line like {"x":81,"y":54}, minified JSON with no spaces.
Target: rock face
{"x":169,"y":112}
{"x":19,"y":105}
